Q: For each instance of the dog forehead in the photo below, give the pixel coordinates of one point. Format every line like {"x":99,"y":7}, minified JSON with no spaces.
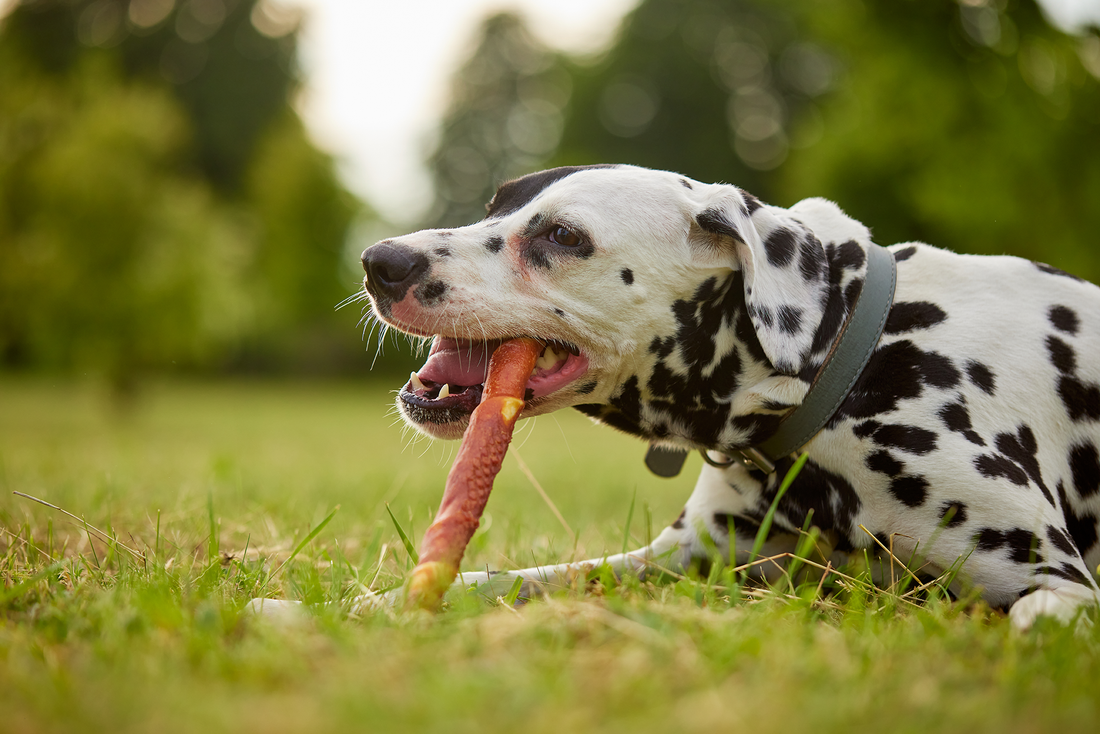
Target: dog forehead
{"x":612,"y":182}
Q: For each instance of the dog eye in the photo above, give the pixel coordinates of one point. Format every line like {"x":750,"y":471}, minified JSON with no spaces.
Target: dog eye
{"x":565,"y":238}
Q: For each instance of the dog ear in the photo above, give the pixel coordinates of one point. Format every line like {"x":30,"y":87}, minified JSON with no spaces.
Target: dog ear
{"x":786,"y":273}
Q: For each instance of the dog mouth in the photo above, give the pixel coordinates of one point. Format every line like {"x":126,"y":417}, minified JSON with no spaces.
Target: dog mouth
{"x":449,"y":385}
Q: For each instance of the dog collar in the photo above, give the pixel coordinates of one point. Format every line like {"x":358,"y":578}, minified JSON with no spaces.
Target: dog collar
{"x":842,"y":367}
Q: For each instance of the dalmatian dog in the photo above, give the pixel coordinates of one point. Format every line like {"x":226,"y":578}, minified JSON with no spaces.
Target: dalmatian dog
{"x":693,"y":316}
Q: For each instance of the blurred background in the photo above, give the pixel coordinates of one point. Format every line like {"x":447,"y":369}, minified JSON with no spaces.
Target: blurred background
{"x":186,"y":185}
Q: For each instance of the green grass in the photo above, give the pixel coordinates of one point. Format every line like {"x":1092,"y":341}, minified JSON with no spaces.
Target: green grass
{"x":216,"y":486}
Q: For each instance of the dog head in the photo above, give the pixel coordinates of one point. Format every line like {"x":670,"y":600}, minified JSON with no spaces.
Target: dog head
{"x":675,"y":310}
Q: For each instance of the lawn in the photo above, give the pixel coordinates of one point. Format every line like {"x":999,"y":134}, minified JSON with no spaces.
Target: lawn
{"x":214,"y":485}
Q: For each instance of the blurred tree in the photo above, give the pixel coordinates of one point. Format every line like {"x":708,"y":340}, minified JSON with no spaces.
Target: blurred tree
{"x":973,"y":125}
{"x":504,"y":120}
{"x":159,"y":200}
{"x":695,"y":86}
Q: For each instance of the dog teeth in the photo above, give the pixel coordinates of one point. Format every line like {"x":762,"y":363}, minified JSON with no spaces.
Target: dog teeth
{"x":444,"y":392}
{"x":414,"y":380}
{"x":547,"y":359}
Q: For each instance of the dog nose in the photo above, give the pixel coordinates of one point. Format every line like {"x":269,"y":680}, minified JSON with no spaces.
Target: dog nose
{"x":392,"y":269}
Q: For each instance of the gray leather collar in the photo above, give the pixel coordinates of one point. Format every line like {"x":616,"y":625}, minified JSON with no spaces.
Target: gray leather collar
{"x":842,"y":367}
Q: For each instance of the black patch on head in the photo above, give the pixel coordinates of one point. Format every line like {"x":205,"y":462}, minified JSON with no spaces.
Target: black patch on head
{"x":1084,"y":464}
{"x":1062,"y":355}
{"x":1064,"y":319}
{"x":790,"y":319}
{"x":627,"y":275}
{"x":883,"y":463}
{"x":714,"y":220}
{"x":431,"y":292}
{"x":911,"y":491}
{"x":780,"y":246}
{"x":907,"y":316}
{"x":1055,"y":271}
{"x":518,"y":193}
{"x":442,"y":251}
{"x":952,"y":514}
{"x":812,"y":263}
{"x":685,"y":183}
{"x":981,"y":376}
{"x":897,"y":371}
{"x":751,"y":202}
{"x":910,"y":439}
{"x":494,"y":244}
{"x":1081,"y":399}
{"x":905,"y":253}
{"x":957,"y":418}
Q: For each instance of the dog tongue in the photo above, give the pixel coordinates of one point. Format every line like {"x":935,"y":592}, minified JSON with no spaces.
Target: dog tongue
{"x":457,"y":362}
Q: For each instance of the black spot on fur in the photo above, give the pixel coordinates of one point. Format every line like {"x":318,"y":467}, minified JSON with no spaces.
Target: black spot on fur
{"x":866,"y":428}
{"x":751,"y":202}
{"x":911,"y":491}
{"x":907,"y":316}
{"x":518,"y":193}
{"x":1062,"y":355}
{"x":811,"y":258}
{"x":953,"y":514}
{"x":1023,"y":546}
{"x":586,"y":388}
{"x":494,"y":244}
{"x":431,"y":292}
{"x":559,"y":313}
{"x":1082,"y":400}
{"x":686,"y":184}
{"x":831,"y":497}
{"x":627,"y":275}
{"x":998,"y":467}
{"x":883,"y":463}
{"x":1065,"y":571}
{"x":679,"y":522}
{"x":910,"y":439}
{"x":1084,"y":463}
{"x":780,"y":246}
{"x":442,"y":251}
{"x":714,"y":220}
{"x":851,"y":293}
{"x":1055,"y":271}
{"x":989,"y":539}
{"x":956,"y":417}
{"x":790,"y":319}
{"x":981,"y":376}
{"x":905,"y":253}
{"x":1064,"y":319}
{"x":896,"y":372}
{"x":1060,"y":540}
{"x":1082,"y":528}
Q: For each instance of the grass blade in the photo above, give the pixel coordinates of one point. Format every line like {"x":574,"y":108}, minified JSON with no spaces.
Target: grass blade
{"x":629,"y":517}
{"x":409,"y":547}
{"x":766,"y":525}
{"x":305,"y":541}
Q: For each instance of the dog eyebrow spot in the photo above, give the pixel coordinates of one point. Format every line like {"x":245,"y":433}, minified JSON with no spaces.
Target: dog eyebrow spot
{"x":443,"y":251}
{"x":494,"y":244}
{"x":627,"y":275}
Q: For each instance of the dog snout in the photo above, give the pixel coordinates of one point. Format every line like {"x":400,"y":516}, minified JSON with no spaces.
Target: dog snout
{"x":392,"y":270}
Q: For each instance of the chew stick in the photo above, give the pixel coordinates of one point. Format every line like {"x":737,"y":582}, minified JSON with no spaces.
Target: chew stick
{"x":471,"y":478}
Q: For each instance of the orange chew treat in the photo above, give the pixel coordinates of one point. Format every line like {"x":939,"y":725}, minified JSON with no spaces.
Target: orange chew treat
{"x":471,"y":479}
